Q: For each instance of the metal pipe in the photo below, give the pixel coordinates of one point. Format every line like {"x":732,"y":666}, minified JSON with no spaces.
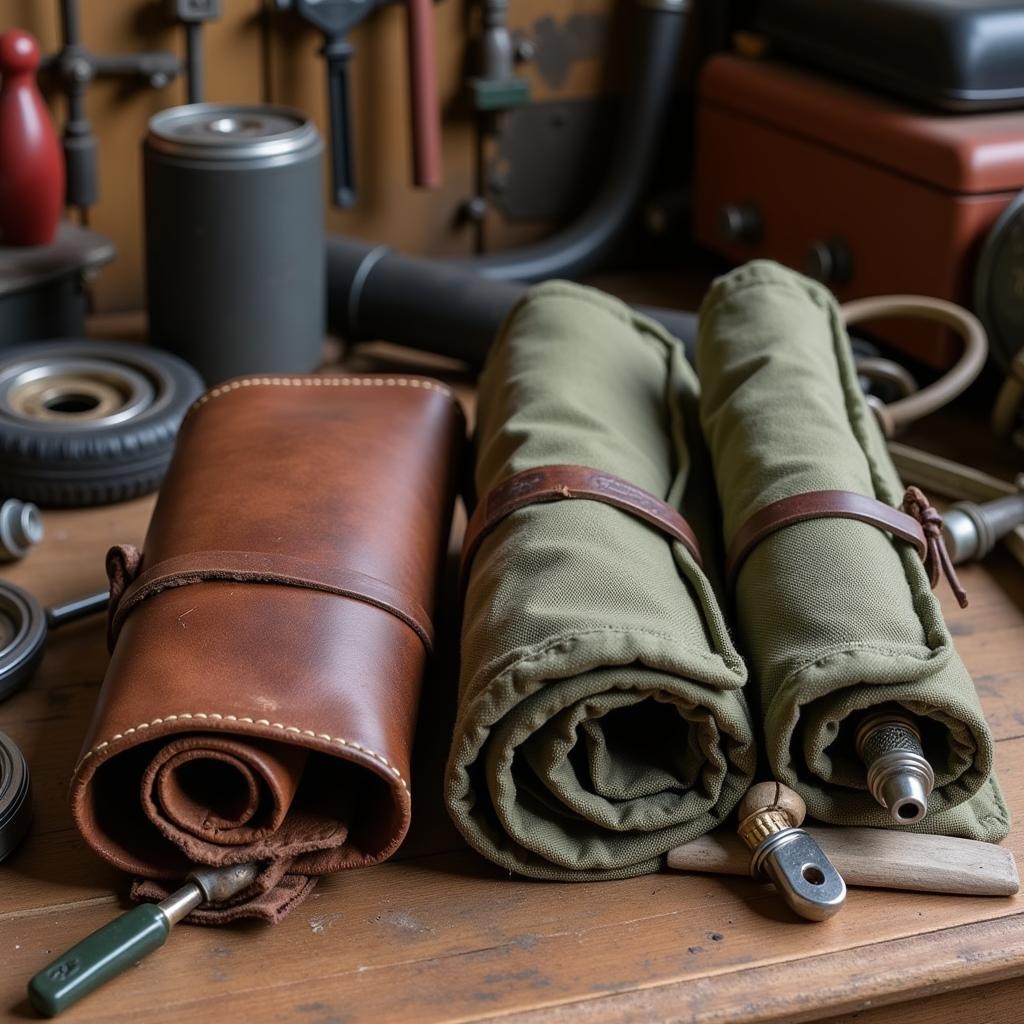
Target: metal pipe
{"x":582,"y":245}
{"x":374,"y":293}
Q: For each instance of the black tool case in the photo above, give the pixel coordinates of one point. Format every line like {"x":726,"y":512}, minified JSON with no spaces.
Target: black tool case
{"x":962,"y":55}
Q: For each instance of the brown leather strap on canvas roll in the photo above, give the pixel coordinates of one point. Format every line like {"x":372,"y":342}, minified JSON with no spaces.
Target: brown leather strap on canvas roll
{"x":559,"y":483}
{"x":919,"y":523}
{"x":129,"y":590}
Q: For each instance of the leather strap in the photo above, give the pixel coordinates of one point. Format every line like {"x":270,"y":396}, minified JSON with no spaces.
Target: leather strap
{"x":559,"y":483}
{"x":129,"y":588}
{"x":919,"y":523}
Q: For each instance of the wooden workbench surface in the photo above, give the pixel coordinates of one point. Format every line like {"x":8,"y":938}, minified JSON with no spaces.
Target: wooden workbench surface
{"x":438,"y":934}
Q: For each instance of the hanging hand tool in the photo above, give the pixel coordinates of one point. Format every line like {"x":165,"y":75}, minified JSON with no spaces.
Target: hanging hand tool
{"x":770,"y":816}
{"x":336,"y":19}
{"x":115,"y":947}
{"x":75,"y":68}
{"x":192,"y":14}
{"x":899,"y":776}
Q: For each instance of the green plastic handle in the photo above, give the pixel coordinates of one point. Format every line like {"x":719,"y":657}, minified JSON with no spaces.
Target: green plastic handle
{"x":98,"y":958}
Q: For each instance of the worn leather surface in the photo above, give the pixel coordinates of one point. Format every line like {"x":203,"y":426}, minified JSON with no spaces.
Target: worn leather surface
{"x":798,"y":508}
{"x":267,"y":658}
{"x":562,"y":483}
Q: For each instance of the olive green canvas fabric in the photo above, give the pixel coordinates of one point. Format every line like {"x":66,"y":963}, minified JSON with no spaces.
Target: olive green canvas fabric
{"x":834,"y":616}
{"x":601,"y":718}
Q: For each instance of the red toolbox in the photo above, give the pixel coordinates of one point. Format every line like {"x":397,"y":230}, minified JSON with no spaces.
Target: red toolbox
{"x":857,"y":190}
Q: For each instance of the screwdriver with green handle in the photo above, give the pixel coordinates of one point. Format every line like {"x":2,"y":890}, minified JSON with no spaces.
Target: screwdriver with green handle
{"x":125,"y":941}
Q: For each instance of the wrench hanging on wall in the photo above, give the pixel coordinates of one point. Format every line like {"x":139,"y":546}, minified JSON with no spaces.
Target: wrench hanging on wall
{"x":336,"y":19}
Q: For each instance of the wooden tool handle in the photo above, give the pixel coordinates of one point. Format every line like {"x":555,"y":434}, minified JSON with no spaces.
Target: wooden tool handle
{"x":877,"y":858}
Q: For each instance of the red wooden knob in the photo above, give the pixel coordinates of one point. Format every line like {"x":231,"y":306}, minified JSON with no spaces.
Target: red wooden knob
{"x":31,"y":162}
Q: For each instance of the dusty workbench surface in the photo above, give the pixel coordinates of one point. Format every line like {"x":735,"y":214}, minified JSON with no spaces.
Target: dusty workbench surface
{"x":438,"y":934}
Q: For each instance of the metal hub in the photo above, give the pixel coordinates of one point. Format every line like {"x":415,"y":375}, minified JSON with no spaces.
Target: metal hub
{"x":63,"y":391}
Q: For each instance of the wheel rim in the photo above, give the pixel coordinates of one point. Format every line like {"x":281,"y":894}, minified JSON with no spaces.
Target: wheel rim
{"x":59,"y":392}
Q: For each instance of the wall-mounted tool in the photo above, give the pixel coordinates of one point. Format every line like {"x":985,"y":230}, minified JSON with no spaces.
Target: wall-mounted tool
{"x":75,"y":67}
{"x":31,"y":169}
{"x":783,"y":853}
{"x":115,"y":947}
{"x":192,"y":14}
{"x":336,"y":19}
{"x":878,"y":858}
{"x":899,"y":776}
{"x":658,"y":44}
{"x":24,"y":624}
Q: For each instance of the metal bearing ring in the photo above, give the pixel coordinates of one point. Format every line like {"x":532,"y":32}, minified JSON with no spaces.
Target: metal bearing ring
{"x":15,"y":796}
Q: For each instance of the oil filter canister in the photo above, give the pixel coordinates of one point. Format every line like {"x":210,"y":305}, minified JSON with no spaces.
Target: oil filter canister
{"x":235,"y":238}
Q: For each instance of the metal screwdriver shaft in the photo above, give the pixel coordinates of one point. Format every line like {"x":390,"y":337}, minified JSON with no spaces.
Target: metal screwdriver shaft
{"x":899,"y":776}
{"x":770,"y":816}
{"x":125,"y":941}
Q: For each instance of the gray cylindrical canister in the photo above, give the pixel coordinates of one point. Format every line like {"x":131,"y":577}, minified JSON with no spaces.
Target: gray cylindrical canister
{"x":235,"y":238}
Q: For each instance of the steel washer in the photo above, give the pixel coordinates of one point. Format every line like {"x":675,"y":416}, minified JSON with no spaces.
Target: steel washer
{"x":15,"y":796}
{"x":23,"y":619}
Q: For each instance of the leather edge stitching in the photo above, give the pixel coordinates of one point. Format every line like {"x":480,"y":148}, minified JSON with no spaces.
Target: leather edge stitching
{"x":249,"y":382}
{"x":214,"y":716}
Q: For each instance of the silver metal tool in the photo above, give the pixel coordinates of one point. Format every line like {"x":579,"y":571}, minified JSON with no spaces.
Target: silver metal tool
{"x":115,"y":947}
{"x":21,"y":528}
{"x":770,"y":816}
{"x":899,"y":776}
{"x":971,"y":530}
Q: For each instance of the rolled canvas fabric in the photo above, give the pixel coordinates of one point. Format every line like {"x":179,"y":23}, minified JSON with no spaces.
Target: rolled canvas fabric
{"x":835,"y":616}
{"x":268,"y":648}
{"x":601,"y":719}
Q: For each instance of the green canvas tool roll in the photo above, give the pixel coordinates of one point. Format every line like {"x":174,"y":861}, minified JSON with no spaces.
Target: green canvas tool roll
{"x":835,"y":615}
{"x":601,"y":719}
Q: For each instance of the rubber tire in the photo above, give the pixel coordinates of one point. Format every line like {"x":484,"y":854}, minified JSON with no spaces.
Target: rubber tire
{"x":84,"y":466}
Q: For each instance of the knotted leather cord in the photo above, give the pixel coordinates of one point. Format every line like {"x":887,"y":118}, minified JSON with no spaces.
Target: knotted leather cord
{"x":937,"y":560}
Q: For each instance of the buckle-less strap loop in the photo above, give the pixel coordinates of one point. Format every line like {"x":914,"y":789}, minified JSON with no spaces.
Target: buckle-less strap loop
{"x":130,"y":587}
{"x":919,"y":523}
{"x":564,"y":482}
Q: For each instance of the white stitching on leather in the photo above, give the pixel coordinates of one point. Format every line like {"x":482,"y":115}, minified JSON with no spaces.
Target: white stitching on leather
{"x":333,"y":382}
{"x":213,"y":716}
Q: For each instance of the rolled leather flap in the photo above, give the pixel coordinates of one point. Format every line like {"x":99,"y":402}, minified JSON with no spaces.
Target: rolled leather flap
{"x":268,"y":648}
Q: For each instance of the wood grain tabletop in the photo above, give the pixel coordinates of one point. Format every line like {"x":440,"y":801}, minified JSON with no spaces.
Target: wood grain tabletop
{"x":438,"y":934}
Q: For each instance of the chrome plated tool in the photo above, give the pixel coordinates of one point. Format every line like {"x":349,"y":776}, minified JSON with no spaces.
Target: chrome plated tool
{"x":125,"y":941}
{"x":899,"y":776}
{"x":21,"y":528}
{"x":783,"y":853}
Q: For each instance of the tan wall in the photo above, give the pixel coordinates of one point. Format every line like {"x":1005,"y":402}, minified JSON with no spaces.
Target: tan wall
{"x":253,"y":54}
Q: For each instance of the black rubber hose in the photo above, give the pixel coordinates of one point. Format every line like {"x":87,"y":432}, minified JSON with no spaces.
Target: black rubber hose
{"x":582,"y":246}
{"x":374,"y":293}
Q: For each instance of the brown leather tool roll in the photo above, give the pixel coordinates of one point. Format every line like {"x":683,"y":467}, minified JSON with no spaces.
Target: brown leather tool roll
{"x":268,"y":647}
